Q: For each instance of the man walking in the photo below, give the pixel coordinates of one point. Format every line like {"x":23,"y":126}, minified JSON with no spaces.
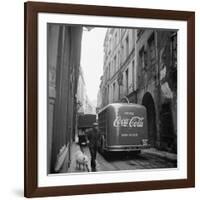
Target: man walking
{"x":92,"y":136}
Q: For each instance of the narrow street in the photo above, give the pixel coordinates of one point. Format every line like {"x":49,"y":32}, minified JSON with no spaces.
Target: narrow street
{"x":123,"y":97}
{"x":147,"y":159}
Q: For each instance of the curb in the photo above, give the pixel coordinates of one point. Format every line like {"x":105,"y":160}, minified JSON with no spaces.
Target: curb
{"x":162,"y":154}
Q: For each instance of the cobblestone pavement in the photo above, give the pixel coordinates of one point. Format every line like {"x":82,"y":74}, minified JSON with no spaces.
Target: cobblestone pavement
{"x":147,"y":159}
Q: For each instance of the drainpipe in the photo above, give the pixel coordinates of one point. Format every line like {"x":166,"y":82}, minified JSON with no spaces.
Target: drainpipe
{"x":158,"y":86}
{"x":120,"y":60}
{"x":135,"y":78}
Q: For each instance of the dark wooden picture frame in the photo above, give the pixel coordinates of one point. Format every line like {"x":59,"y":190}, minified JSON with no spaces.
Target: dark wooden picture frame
{"x":32,"y":9}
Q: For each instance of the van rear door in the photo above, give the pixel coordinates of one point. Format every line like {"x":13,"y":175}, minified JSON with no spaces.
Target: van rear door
{"x":128,"y":125}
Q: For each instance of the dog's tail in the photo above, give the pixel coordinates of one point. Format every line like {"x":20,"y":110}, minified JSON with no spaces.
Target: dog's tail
{"x":87,"y":168}
{"x":82,"y":150}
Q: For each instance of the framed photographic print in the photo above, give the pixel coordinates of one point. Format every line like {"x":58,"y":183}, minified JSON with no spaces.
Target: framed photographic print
{"x":109,"y":99}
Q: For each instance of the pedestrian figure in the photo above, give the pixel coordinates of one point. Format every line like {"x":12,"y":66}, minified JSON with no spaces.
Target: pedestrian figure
{"x":92,"y":136}
{"x":82,"y":140}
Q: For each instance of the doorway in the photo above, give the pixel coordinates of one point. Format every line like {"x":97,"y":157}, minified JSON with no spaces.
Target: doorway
{"x":148,"y":102}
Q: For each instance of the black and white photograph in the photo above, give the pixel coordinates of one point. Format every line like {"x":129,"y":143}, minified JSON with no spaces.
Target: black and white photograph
{"x":111,"y":98}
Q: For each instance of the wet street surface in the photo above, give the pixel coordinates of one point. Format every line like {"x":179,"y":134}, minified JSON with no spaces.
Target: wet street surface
{"x":126,"y":161}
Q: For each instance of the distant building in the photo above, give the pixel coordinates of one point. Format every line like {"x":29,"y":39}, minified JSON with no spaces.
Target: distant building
{"x":99,"y":96}
{"x":81,"y":93}
{"x":84,"y":105}
{"x":142,"y":66}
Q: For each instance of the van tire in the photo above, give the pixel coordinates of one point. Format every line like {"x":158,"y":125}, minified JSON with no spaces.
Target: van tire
{"x":137,"y":152}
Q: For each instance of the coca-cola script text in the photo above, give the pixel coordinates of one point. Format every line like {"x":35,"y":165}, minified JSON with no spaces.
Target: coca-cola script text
{"x":135,"y":121}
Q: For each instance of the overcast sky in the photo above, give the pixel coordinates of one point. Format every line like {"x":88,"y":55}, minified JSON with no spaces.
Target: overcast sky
{"x":92,"y":60}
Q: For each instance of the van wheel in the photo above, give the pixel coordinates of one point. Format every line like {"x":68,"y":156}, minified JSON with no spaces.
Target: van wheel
{"x":102,"y":151}
{"x":137,"y":152}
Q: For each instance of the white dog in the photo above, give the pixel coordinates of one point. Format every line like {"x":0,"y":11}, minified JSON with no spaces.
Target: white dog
{"x":81,"y":161}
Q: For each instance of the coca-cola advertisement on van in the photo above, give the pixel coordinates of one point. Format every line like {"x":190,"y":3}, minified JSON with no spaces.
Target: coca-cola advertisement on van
{"x":129,"y":122}
{"x":127,"y":125}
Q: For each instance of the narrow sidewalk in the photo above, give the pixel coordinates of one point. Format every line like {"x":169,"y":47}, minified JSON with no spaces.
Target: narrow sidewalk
{"x":162,"y":154}
{"x":72,"y":168}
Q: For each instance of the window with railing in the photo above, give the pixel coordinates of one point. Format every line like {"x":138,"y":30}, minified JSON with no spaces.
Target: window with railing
{"x":151,"y":50}
{"x":133,"y":73}
{"x":115,"y":64}
{"x":109,"y":71}
{"x":118,"y":59}
{"x":173,"y":51}
{"x":142,"y":58}
{"x":116,"y":39}
{"x":114,"y":92}
{"x":122,"y":53}
{"x":173,"y":46}
{"x":127,"y":46}
{"x":139,"y":33}
{"x":127,"y":81}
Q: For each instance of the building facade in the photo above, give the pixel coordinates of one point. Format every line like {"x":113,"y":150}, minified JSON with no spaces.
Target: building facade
{"x":141,"y":65}
{"x":118,"y":70}
{"x":63,"y":62}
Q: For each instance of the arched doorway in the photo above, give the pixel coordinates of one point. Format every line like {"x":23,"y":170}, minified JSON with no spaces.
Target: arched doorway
{"x":148,"y":102}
